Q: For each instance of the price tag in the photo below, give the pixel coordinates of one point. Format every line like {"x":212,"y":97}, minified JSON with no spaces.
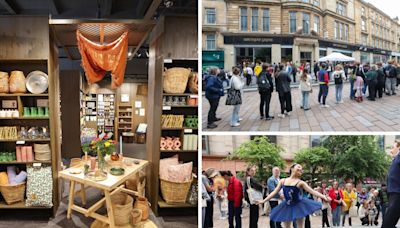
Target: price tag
{"x":167,"y":60}
{"x":194,"y":96}
{"x":166,"y":108}
{"x":36,"y":164}
{"x":20,"y":142}
{"x":188,"y":130}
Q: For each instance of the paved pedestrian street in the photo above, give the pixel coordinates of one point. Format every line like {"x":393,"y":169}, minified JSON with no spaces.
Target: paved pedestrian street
{"x":380,"y":115}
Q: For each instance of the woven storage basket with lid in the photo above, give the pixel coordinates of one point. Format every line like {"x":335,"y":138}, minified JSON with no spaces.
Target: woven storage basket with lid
{"x":42,"y":152}
{"x":13,"y":193}
{"x":176,"y":79}
{"x":173,"y":192}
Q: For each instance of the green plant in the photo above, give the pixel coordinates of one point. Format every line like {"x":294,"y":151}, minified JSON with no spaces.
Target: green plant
{"x":261,"y":153}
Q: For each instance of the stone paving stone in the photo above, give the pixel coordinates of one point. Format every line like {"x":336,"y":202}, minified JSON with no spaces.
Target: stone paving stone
{"x":383,"y":114}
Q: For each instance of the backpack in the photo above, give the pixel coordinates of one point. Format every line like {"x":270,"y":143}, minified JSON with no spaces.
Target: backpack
{"x":263,"y":83}
{"x":390,"y":72}
{"x":338,"y":80}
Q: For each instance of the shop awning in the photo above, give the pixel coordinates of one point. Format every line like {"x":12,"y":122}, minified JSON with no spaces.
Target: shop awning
{"x":336,"y":57}
{"x":213,"y":59}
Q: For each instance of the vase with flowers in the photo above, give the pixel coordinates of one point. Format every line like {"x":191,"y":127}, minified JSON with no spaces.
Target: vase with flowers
{"x":100,"y":147}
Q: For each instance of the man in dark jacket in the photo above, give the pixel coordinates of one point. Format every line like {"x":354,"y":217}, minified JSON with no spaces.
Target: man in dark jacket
{"x":316,"y":70}
{"x":383,"y":197}
{"x":391,"y":78}
{"x":265,"y":88}
{"x":214,"y":91}
{"x":393,"y":188}
{"x":235,"y":197}
{"x":380,"y":86}
{"x":282,"y":82}
{"x":372,"y":78}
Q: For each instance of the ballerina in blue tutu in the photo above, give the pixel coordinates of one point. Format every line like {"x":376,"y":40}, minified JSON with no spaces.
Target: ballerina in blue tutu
{"x":294,"y":207}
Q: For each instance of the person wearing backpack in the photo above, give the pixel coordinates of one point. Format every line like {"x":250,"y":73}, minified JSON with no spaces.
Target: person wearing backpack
{"x":391,"y":78}
{"x":236,"y":83}
{"x":214,"y":91}
{"x":282,"y":81}
{"x":306,"y":89}
{"x":339,"y":77}
{"x":265,"y":88}
{"x":323,"y":78}
{"x":380,"y":86}
{"x":372,"y":77}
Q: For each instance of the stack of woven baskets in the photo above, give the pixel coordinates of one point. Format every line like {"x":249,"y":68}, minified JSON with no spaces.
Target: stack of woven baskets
{"x":126,"y":212}
{"x":177,"y":79}
{"x":42,"y":152}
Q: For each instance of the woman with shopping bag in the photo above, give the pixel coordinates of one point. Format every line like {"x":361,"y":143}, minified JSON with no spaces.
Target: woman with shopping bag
{"x":349,"y":201}
{"x":252,"y":194}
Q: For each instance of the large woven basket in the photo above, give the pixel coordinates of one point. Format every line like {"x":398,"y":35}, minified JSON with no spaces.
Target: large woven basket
{"x":42,"y":152}
{"x":176,"y":79}
{"x":193,"y":84}
{"x":173,"y":192}
{"x":122,"y":204}
{"x":13,"y":193}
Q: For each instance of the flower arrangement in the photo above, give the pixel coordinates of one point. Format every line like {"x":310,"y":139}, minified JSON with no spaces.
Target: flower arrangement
{"x":100,"y":146}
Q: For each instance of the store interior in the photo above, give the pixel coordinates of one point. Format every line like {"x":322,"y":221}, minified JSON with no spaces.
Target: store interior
{"x":77,"y":77}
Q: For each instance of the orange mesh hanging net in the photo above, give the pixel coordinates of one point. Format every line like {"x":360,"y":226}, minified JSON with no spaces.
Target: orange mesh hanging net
{"x":97,"y":59}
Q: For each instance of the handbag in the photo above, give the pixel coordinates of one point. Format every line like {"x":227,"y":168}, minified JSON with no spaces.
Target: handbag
{"x":234,"y":97}
{"x":353,"y":211}
{"x":254,"y":195}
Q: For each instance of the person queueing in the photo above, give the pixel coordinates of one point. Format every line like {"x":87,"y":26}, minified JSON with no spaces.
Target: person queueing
{"x":265,"y":88}
{"x":349,"y":198}
{"x":380,"y":86}
{"x":383,"y":197}
{"x":254,"y":208}
{"x":282,"y":81}
{"x":325,"y":205}
{"x":272,"y":183}
{"x":339,"y":77}
{"x":323,"y":78}
{"x":207,"y":177}
{"x":372,"y":78}
{"x":295,"y":207}
{"x":214,"y":91}
{"x":392,"y":214}
{"x":237,"y":84}
{"x":316,"y":70}
{"x":336,"y":204}
{"x":306,"y":89}
{"x":391,"y":80}
{"x":235,"y":197}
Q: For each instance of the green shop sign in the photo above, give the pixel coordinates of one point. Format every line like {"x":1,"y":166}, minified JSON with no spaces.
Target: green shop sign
{"x":213,"y":59}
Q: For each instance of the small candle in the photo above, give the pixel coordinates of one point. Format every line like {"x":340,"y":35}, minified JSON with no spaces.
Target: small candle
{"x":120,"y":145}
{"x":23,"y":153}
{"x":29,"y":153}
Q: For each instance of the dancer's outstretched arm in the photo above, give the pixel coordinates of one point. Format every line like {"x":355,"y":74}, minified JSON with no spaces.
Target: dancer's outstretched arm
{"x":273,"y":193}
{"x":307,"y":188}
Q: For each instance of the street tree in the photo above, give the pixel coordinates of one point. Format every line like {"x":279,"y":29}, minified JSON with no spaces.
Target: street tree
{"x":315,"y":160}
{"x":261,"y":153}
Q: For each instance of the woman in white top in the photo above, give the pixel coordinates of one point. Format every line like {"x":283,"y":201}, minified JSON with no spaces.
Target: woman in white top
{"x":306,"y":89}
{"x":237,"y":84}
{"x":339,"y":77}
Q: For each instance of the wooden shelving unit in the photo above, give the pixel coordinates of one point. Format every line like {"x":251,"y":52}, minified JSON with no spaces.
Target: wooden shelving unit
{"x":19,"y":205}
{"x":163,"y":204}
{"x":124,"y":118}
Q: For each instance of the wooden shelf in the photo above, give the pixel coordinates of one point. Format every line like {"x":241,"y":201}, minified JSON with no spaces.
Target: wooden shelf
{"x":26,"y":140}
{"x":19,"y":205}
{"x":163,"y":204}
{"x":28,"y":162}
{"x":179,"y":106}
{"x":178,"y":151}
{"x":23,"y":95}
{"x":25,"y":118}
{"x":177,"y":128}
{"x":179,"y":94}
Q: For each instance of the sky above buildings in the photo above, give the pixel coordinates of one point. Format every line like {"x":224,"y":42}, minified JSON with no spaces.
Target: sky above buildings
{"x":391,"y":7}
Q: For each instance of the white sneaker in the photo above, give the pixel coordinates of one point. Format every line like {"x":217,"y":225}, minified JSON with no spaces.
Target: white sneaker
{"x":281,"y":115}
{"x":240,"y":119}
{"x":288,"y":113}
{"x":325,"y":106}
{"x":235,"y":125}
{"x":341,"y":102}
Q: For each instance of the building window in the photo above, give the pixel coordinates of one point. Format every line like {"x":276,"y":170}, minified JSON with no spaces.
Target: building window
{"x":341,"y":33}
{"x":372,"y":29}
{"x":210,"y":42}
{"x":243,"y":19}
{"x":306,"y":23}
{"x":336,"y":30}
{"x":346,"y":32}
{"x":363,"y":28}
{"x":364,"y":39}
{"x":266,"y":20}
{"x":292,"y":24}
{"x":254,"y":19}
{"x":316,"y":24}
{"x":306,"y":1}
{"x":341,"y":8}
{"x":316,"y":2}
{"x":210,"y":15}
{"x":362,"y":11}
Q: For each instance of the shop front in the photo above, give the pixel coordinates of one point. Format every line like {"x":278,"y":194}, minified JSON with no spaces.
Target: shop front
{"x":213,"y":59}
{"x":99,"y":117}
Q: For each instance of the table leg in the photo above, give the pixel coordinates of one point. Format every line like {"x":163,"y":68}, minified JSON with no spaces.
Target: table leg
{"x":83,"y":194}
{"x":71,"y":198}
{"x":110,"y":210}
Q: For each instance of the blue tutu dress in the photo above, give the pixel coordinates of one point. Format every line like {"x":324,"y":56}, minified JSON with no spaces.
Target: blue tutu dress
{"x":294,"y":206}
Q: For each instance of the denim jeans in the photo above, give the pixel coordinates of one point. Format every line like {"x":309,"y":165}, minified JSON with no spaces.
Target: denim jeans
{"x":323,"y":93}
{"x":339,"y":90}
{"x":364,"y":90}
{"x":383,"y":210}
{"x":352,"y":93}
{"x":305,"y":101}
{"x":391,"y":85}
{"x":336,"y":216}
{"x":235,"y":114}
{"x":219,"y":203}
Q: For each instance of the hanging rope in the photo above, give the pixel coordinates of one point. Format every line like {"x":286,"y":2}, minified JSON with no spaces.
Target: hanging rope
{"x":97,"y":59}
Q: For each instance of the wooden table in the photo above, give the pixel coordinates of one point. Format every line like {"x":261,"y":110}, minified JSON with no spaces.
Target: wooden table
{"x":110,"y":186}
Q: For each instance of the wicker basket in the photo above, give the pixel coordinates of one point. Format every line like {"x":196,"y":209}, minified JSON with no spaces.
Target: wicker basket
{"x":193,"y":84}
{"x":13,"y":193}
{"x":42,"y":152}
{"x":176,"y":79}
{"x":122,"y":205}
{"x":173,"y":192}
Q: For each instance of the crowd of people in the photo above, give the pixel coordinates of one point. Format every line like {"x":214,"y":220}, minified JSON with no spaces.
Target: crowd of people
{"x":292,"y":201}
{"x":367,"y":81}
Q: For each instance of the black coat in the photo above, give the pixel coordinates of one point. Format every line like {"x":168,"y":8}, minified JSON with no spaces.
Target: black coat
{"x":254,"y":184}
{"x":282,"y":82}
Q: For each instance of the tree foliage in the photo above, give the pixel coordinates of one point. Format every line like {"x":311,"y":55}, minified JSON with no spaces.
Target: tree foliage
{"x":357,"y":157}
{"x":261,"y":153}
{"x":314,"y":160}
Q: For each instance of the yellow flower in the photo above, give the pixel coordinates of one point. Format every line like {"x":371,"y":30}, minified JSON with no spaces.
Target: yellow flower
{"x":107,"y":144}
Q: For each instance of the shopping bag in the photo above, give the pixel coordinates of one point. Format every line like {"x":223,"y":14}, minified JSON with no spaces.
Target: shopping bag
{"x":254,"y":195}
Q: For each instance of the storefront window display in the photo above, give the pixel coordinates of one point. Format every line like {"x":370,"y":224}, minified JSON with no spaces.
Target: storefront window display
{"x":263,"y":54}
{"x":286,"y":54}
{"x":365,"y":57}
